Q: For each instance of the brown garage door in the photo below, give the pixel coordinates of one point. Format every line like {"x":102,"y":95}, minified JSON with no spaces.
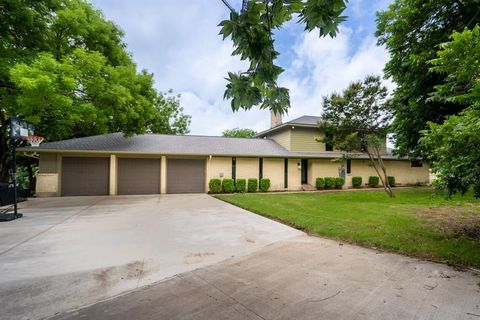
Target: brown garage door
{"x":185,"y":176}
{"x":138,"y":176}
{"x":83,"y":176}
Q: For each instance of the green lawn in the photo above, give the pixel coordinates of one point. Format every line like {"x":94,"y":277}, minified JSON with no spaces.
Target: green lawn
{"x":417,"y":222}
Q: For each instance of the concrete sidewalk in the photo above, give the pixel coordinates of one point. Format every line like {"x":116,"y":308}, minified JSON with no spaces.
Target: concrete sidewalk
{"x":303,"y":278}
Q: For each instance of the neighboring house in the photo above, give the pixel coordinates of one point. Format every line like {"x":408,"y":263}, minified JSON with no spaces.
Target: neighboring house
{"x":287,"y":153}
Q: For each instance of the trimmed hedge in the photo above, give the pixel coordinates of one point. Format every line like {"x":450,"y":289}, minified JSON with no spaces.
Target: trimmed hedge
{"x":240,"y":185}
{"x":339,"y":182}
{"x":215,"y":185}
{"x":252,"y":185}
{"x":264,"y":185}
{"x":356,"y":182}
{"x":329,"y":183}
{"x":391,"y":181}
{"x":373,"y":181}
{"x":228,"y":185}
{"x":320,"y":183}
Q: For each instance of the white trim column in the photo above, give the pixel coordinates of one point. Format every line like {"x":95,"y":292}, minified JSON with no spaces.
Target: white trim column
{"x":113,"y":175}
{"x":163,"y":175}
{"x":207,"y":173}
{"x":59,"y":172}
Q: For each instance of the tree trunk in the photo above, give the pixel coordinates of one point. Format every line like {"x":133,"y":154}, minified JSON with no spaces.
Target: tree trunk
{"x":383,"y":177}
{"x":384,"y":169}
{"x":3,"y":148}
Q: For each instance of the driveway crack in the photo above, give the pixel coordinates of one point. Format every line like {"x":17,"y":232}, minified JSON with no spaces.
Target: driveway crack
{"x":228,"y":295}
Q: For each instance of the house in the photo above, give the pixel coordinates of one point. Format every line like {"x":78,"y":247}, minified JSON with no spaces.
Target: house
{"x":287,"y":153}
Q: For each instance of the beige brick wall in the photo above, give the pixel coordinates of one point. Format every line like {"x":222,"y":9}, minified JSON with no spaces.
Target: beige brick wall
{"x":273,"y":169}
{"x":400,"y":169}
{"x":322,"y":168}
{"x":247,"y":168}
{"x":47,"y":163}
{"x":220,"y":167}
{"x":294,"y":175}
{"x":405,"y":174}
{"x":46,"y":185}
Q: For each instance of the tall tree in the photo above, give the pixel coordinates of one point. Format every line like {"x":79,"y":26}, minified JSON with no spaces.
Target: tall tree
{"x":65,"y":68}
{"x":251,"y":33}
{"x":452,"y":147}
{"x":357,"y":120}
{"x":412,"y":31}
{"x":239,"y":133}
{"x":168,"y":117}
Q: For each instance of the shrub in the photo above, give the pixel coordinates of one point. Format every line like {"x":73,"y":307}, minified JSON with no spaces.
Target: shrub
{"x":264,"y":185}
{"x":329,"y":182}
{"x":215,"y":185}
{"x":252,"y":185}
{"x":320,"y":183}
{"x":373,"y":181}
{"x":357,"y":182}
{"x":228,"y":185}
{"x":391,"y":181}
{"x":240,"y":185}
{"x":339,"y":182}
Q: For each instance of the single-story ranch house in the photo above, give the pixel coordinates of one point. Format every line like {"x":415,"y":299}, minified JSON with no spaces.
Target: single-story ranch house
{"x":287,"y":153}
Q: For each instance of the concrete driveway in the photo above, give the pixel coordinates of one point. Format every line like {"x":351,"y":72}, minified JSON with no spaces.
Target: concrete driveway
{"x":71,"y":252}
{"x":303,"y":278}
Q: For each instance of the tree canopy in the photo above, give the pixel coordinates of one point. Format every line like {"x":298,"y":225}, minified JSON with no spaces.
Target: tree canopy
{"x":452,"y":146}
{"x":251,"y":33}
{"x":239,"y":133}
{"x":357,"y":120}
{"x":65,"y":68}
{"x":412,"y":31}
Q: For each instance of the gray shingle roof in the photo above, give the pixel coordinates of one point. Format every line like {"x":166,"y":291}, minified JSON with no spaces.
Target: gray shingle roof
{"x":180,"y":145}
{"x":305,"y":120}
{"x":169,"y":144}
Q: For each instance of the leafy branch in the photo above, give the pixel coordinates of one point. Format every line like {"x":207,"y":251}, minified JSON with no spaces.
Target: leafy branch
{"x":251,"y":34}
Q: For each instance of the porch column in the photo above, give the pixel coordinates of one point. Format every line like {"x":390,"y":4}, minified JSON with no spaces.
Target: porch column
{"x":113,"y":175}
{"x":163,"y":175}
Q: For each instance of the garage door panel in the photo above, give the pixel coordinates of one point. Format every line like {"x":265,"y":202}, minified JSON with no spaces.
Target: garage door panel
{"x":138,"y":176}
{"x":186,"y":176}
{"x":82,"y":176}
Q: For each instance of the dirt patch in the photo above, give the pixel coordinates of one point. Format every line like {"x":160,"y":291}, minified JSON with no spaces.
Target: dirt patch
{"x":458,"y":221}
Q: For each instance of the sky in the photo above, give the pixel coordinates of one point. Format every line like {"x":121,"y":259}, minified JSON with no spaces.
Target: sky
{"x":178,"y":42}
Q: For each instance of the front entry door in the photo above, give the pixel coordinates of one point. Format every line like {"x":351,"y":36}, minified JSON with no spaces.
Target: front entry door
{"x":304,"y":171}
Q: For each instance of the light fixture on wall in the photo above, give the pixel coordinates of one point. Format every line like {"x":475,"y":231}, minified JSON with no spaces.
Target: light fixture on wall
{"x":299,"y":164}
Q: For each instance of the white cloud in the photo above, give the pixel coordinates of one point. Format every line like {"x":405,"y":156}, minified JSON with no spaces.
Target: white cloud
{"x":325,"y":65}
{"x":178,"y":41}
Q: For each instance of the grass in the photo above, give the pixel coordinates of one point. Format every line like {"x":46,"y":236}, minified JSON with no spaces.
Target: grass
{"x":418,"y":222}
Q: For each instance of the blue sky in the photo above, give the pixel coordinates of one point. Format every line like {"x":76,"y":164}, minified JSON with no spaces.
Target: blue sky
{"x":178,"y":42}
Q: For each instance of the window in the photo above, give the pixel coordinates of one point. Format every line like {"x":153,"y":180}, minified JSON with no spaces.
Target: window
{"x":234,"y":168}
{"x":260,"y":168}
{"x":349,"y":166}
{"x":328,"y":145}
{"x":285,"y":174}
{"x":416,"y":164}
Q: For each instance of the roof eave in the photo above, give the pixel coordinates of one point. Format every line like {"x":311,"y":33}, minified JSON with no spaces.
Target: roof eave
{"x":290,"y":155}
{"x":283,"y":126}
